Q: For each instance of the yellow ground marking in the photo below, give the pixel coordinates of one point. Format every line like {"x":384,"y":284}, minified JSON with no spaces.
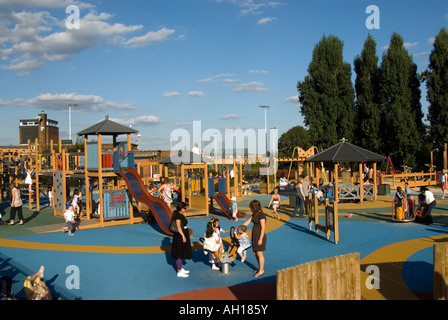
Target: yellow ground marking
{"x":390,"y":260}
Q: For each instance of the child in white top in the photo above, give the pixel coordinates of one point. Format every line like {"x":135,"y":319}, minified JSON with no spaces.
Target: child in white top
{"x":69,"y":216}
{"x":213,"y":243}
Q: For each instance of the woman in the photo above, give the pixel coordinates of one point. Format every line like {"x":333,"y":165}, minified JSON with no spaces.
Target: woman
{"x":300,"y":199}
{"x":16,"y":205}
{"x":430,"y":202}
{"x":181,"y":246}
{"x":258,"y":219}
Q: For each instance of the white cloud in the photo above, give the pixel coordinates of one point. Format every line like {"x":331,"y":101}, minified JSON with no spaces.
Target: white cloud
{"x":58,"y":101}
{"x":215,"y":77}
{"x":253,"y":86}
{"x":252,"y":7}
{"x":409,"y":45}
{"x":431,"y":40}
{"x":149,"y":38}
{"x":29,"y":39}
{"x":258,"y":71}
{"x":171,"y":94}
{"x":140,"y":121}
{"x":292,"y":99}
{"x":231,"y":117}
{"x":196,"y":94}
{"x":266,"y":20}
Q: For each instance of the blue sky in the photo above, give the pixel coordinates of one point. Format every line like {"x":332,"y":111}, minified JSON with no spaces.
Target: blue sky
{"x":159,"y":65}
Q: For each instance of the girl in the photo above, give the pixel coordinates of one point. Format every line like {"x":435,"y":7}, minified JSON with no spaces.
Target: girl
{"x":75,"y":199}
{"x":444,"y":183}
{"x":181,"y":245}
{"x":234,"y":209}
{"x":243,"y":240}
{"x":258,"y":218}
{"x":28,"y":180}
{"x":213,"y":243}
{"x":275,"y":201}
{"x":166,"y":192}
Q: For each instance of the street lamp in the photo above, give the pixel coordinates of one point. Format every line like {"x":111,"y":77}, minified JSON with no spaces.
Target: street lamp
{"x":70,"y":119}
{"x":265,"y":126}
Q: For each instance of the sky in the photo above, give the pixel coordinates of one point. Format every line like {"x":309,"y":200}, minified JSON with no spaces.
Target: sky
{"x":160,"y":65}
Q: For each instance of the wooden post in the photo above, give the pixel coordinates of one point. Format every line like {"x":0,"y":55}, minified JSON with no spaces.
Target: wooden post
{"x":375,"y":186}
{"x":87,"y":182}
{"x":100,"y":180}
{"x":361,"y":184}
{"x":336,"y":182}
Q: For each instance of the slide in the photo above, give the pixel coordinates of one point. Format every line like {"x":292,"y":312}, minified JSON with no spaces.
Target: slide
{"x":162,"y":213}
{"x":226,"y":205}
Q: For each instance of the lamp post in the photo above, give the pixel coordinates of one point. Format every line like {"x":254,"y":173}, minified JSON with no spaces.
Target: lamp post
{"x":70,"y":119}
{"x":265,"y":126}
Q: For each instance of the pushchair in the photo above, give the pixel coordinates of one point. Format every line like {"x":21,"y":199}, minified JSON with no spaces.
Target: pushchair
{"x":325,"y":193}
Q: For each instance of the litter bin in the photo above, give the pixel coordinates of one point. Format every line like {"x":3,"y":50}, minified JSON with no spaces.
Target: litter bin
{"x":383,"y":189}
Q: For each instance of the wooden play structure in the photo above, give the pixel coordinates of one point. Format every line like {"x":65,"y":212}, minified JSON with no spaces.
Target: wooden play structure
{"x":331,"y":222}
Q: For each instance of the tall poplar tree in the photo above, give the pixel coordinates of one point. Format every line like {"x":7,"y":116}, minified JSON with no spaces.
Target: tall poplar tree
{"x":367,"y":103}
{"x":327,"y":96}
{"x":437,"y":90}
{"x":400,"y":110}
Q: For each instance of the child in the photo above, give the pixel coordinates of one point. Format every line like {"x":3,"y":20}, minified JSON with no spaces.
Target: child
{"x":28,"y":179}
{"x":69,"y":216}
{"x":275,"y":201}
{"x":213,"y":243}
{"x":399,"y":213}
{"x":75,"y":199}
{"x":420,"y":213}
{"x":234,"y":209}
{"x":49,"y":195}
{"x":243,"y":240}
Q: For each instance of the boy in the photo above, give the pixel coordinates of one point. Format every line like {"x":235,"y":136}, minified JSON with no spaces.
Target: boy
{"x":69,"y":216}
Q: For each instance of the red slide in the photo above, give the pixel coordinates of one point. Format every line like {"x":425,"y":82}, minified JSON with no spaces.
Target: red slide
{"x":162,"y":213}
{"x":226,"y":205}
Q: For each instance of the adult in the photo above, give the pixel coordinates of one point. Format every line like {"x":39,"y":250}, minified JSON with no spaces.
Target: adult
{"x":300,"y":199}
{"x":16,"y":205}
{"x":430,"y":202}
{"x":258,"y":219}
{"x":181,"y":246}
{"x":444,"y":183}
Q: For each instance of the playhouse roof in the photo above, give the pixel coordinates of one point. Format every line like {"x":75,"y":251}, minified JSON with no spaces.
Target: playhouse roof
{"x":345,"y":152}
{"x":185,"y":157}
{"x":107,"y":127}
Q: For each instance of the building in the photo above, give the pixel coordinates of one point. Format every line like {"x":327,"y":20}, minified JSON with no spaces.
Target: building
{"x":40,"y":128}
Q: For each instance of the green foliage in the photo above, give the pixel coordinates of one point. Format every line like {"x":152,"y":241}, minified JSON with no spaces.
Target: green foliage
{"x":437,"y":90}
{"x":327,"y":96}
{"x":367,"y":86}
{"x":400,"y":111}
{"x":294,"y":137}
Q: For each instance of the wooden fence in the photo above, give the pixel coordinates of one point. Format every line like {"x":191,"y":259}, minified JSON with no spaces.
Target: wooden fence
{"x":440,"y":277}
{"x":335,"y":278}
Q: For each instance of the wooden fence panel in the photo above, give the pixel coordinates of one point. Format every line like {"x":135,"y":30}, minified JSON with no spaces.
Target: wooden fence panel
{"x":440,"y":285}
{"x":334,"y":278}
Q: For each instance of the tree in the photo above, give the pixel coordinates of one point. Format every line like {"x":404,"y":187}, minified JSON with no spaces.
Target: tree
{"x":400,"y":111}
{"x":367,"y":103}
{"x":295,"y":137}
{"x":327,"y":96}
{"x":436,"y":77}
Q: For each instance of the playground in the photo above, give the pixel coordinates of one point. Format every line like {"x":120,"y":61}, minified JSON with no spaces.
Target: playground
{"x":121,"y":251}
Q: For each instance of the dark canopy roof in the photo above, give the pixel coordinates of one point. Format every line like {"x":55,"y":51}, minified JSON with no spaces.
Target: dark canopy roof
{"x":185,"y":157}
{"x":107,"y":127}
{"x":345,"y":152}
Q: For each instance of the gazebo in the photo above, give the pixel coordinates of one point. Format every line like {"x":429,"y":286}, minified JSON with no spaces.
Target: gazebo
{"x":347,"y":152}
